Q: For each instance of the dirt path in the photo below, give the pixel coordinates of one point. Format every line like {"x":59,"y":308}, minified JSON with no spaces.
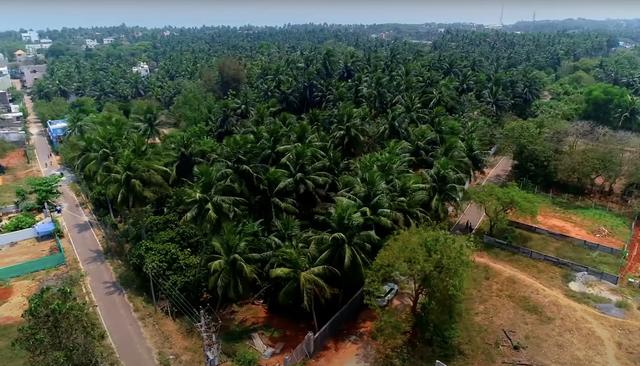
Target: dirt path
{"x":591,"y":316}
{"x":474,"y":213}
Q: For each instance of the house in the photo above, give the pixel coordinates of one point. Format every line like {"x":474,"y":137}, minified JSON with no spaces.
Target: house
{"x":29,"y":74}
{"x":108,"y":40}
{"x":90,"y":43}
{"x":21,"y":56}
{"x":30,"y":36}
{"x":56,"y":129}
{"x":3,"y":61}
{"x":33,"y":48}
{"x":5,"y":78}
{"x":142,"y":69}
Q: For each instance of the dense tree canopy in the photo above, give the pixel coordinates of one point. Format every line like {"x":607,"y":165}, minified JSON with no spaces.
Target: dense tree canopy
{"x":278,"y":160}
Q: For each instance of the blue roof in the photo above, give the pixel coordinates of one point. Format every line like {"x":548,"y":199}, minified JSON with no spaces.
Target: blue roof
{"x":45,"y":228}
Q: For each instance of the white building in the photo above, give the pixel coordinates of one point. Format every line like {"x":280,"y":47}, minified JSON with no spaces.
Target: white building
{"x":108,"y":40}
{"x":5,"y":79}
{"x":142,"y":69}
{"x":33,"y":48}
{"x":30,"y":36}
{"x":90,"y":43}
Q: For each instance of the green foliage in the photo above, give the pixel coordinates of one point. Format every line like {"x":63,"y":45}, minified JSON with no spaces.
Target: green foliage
{"x":246,"y":357}
{"x":45,"y":189}
{"x":499,"y":201}
{"x":57,"y":108}
{"x":61,"y":329}
{"x":391,"y":331}
{"x":19,"y":222}
{"x":604,"y":103}
{"x":432,"y":266}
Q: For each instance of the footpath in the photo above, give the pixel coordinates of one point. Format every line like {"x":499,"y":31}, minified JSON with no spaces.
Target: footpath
{"x":114,"y":310}
{"x":472,"y":215}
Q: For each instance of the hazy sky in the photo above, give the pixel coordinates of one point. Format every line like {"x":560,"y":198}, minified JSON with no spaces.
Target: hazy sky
{"x":40,"y":14}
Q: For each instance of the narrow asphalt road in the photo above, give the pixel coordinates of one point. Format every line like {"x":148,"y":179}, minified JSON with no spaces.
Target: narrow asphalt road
{"x":472,"y":216}
{"x":114,"y":309}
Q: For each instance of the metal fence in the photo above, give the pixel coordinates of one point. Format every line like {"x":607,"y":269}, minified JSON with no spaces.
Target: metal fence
{"x":576,"y":241}
{"x":551,"y":259}
{"x":34,"y":265}
{"x":313,"y":343}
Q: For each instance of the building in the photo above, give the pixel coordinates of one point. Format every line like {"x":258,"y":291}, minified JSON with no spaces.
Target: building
{"x":5,"y":78}
{"x":142,"y":69}
{"x":3,"y":61}
{"x":108,"y":40}
{"x":33,"y":48}
{"x":57,"y":129}
{"x":21,"y":56}
{"x":30,"y":36}
{"x":29,"y":74}
{"x":90,"y":43}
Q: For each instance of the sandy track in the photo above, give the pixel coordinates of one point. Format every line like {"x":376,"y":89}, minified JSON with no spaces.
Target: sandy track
{"x":588,"y":314}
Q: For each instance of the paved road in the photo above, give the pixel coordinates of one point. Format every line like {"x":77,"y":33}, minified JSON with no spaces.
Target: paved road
{"x":474,"y":213}
{"x":113,"y":307}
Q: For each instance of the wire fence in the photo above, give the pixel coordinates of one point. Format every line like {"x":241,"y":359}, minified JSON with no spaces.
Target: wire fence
{"x":313,"y":343}
{"x":533,"y":254}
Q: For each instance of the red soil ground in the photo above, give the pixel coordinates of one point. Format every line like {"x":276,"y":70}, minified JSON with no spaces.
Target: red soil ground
{"x":5,"y":293}
{"x":290,"y":332}
{"x":349,"y":347}
{"x":572,"y":226}
{"x":13,"y":158}
{"x":633,"y":256}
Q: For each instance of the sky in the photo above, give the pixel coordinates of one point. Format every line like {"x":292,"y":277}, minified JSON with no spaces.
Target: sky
{"x":42,"y":14}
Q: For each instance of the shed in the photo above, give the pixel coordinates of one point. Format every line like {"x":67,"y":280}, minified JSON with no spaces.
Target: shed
{"x":45,"y":228}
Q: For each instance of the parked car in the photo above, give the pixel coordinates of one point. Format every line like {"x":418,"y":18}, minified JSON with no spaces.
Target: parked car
{"x":388,"y":291}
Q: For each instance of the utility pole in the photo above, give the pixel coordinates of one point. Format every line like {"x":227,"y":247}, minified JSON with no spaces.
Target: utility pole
{"x":501,"y":14}
{"x":210,"y":343}
{"x":153,"y":293}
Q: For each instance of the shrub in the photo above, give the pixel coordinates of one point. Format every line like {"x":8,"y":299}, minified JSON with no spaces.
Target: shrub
{"x":19,"y":222}
{"x":246,"y":358}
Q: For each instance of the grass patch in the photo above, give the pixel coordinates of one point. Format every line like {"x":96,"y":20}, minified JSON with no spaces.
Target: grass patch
{"x":592,"y":216}
{"x":623,"y":304}
{"x":525,"y":303}
{"x":586,"y":298}
{"x":8,"y":354}
{"x":565,"y":250}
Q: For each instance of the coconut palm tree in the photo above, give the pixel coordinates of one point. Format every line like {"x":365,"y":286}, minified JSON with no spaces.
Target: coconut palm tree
{"x":213,"y":196}
{"x":302,"y":278}
{"x":344,"y":243}
{"x":232,"y":271}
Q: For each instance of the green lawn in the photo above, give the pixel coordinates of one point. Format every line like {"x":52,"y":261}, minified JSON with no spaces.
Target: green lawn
{"x":591,"y":216}
{"x":9,"y":355}
{"x":565,"y":250}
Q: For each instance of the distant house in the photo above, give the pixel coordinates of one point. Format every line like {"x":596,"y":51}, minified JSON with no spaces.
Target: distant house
{"x":33,"y":48}
{"x":142,"y":69}
{"x":21,"y":56}
{"x":5,"y":78}
{"x":90,"y":43}
{"x":108,"y":40}
{"x":30,"y":36}
{"x":57,"y":129}
{"x":29,"y":74}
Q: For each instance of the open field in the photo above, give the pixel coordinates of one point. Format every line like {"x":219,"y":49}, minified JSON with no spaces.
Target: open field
{"x":26,"y":250}
{"x":17,"y":170}
{"x":565,"y":250}
{"x":585,"y":223}
{"x":531,"y":298}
